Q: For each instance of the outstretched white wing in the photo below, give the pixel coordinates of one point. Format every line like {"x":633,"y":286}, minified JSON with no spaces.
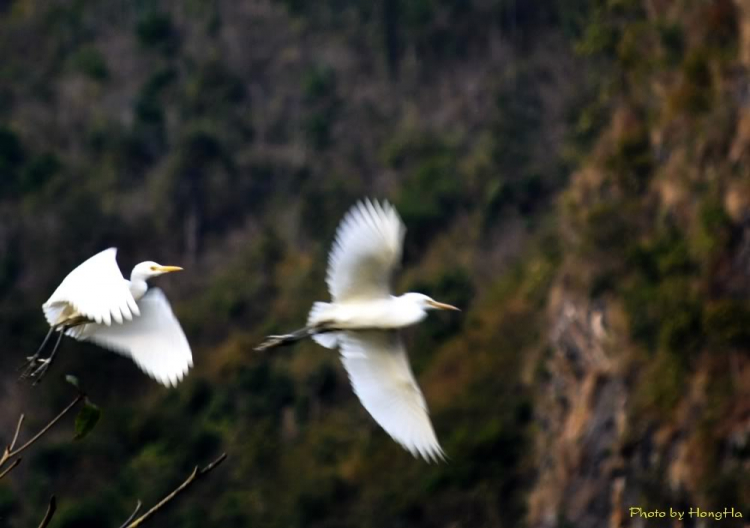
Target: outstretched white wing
{"x":382,"y":379}
{"x":366,"y":250}
{"x":155,"y":340}
{"x":96,"y":289}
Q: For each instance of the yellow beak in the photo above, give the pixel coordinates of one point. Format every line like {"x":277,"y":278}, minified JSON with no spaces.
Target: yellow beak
{"x":443,"y":306}
{"x":168,"y":269}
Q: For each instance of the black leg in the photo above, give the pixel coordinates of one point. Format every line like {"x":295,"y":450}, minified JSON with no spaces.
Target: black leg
{"x":31,"y":360}
{"x":45,"y":364}
{"x":274,"y":341}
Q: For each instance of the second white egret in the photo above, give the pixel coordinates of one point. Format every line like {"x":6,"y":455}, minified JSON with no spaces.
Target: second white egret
{"x":364,"y":321}
{"x":96,"y":303}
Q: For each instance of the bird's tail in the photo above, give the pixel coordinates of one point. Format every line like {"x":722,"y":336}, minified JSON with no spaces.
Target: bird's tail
{"x":326,"y":339}
{"x":315,"y":328}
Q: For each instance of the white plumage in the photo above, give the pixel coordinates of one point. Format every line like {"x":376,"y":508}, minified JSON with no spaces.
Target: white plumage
{"x":381,"y":377}
{"x":366,"y":250}
{"x":96,"y":303}
{"x":96,"y":289}
{"x":363,"y":321}
{"x":155,"y":340}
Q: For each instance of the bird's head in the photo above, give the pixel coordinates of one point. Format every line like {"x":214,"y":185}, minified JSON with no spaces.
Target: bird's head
{"x":149,"y":269}
{"x":428,"y":303}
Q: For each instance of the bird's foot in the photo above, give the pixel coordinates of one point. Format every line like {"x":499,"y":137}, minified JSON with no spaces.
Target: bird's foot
{"x":37,"y":367}
{"x":32,"y":359}
{"x":41,"y":370}
{"x":29,"y":366}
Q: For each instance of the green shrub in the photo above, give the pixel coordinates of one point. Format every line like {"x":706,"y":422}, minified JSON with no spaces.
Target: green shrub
{"x":264,"y":391}
{"x":632,"y":161}
{"x":660,"y":388}
{"x":324,"y":200}
{"x":631,"y":46}
{"x":8,"y":503}
{"x":639,"y":298}
{"x":89,"y":61}
{"x":156,"y":30}
{"x":323,"y":382}
{"x":454,"y":286}
{"x":694,"y":95}
{"x":679,"y":318}
{"x":662,"y":258}
{"x":714,"y":233}
{"x":608,"y":228}
{"x":89,"y":512}
{"x":211,"y":90}
{"x":600,"y":36}
{"x":517,"y":122}
{"x":322,"y":102}
{"x":418,"y":14}
{"x":12,"y":157}
{"x":318,"y":83}
{"x":39,"y":171}
{"x":411,"y":146}
{"x":321,"y":496}
{"x":662,"y":303}
{"x":295,"y":7}
{"x":317,"y":127}
{"x":430,"y":196}
{"x":721,"y":28}
{"x":727,"y":322}
{"x":672,"y":39}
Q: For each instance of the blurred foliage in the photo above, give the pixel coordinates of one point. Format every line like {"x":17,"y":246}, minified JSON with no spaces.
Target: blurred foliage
{"x":90,"y":62}
{"x":156,"y":30}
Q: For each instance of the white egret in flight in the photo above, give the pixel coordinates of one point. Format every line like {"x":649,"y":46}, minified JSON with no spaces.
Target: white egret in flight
{"x":96,"y":303}
{"x":364,"y":319}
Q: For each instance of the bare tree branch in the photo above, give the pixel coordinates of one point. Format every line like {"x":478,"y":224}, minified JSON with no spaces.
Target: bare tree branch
{"x":10,"y":468}
{"x":132,"y":515}
{"x":18,"y":430}
{"x":49,"y":425}
{"x":50,"y":512}
{"x":10,"y":451}
{"x":195,"y":475}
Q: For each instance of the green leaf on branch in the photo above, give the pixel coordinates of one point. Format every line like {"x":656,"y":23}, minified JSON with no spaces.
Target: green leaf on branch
{"x":73,"y":381}
{"x":87,"y":419}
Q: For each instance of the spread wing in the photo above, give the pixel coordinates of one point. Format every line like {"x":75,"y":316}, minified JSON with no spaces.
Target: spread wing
{"x":155,"y":340}
{"x":382,"y":379}
{"x":96,"y":289}
{"x":365,"y":252}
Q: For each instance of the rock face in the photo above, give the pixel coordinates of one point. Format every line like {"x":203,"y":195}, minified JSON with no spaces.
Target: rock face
{"x":594,"y":462}
{"x":581,"y":412}
{"x":645,"y":397}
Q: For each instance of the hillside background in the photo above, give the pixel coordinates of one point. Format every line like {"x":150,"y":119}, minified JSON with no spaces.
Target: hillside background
{"x":574,"y":175}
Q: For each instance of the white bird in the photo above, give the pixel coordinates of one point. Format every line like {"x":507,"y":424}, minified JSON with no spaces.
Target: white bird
{"x":364,"y":319}
{"x":96,"y":303}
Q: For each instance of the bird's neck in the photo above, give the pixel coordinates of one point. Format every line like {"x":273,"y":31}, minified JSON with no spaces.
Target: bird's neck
{"x":138,"y":287}
{"x":410,"y":309}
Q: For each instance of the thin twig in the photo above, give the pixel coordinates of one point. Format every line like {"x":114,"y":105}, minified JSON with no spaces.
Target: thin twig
{"x":132,"y":515}
{"x":48,"y":426}
{"x":195,"y":475}
{"x":10,"y":451}
{"x":50,"y":512}
{"x":10,"y":468}
{"x":15,"y":436}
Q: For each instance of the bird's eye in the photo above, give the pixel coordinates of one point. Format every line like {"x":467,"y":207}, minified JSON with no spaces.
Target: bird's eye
{"x":153,"y":268}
